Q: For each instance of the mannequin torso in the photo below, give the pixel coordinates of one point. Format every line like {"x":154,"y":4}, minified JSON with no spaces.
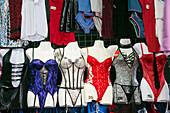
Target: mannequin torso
{"x":72,"y":67}
{"x":42,"y":61}
{"x":148,"y":83}
{"x":126,"y":62}
{"x":98,"y":60}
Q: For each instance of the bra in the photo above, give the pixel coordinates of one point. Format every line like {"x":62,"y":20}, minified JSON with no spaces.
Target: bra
{"x":67,"y":63}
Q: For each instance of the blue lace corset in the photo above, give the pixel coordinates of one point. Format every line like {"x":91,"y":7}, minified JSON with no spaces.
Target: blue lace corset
{"x":36,"y":85}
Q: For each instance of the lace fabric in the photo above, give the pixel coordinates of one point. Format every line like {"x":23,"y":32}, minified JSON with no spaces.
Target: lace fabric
{"x":99,"y":74}
{"x":126,"y":85}
{"x":37,"y":86}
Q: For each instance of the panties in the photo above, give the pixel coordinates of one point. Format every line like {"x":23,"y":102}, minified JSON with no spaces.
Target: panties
{"x":128,"y":90}
{"x":138,"y":25}
{"x":86,"y":23}
{"x":74,"y":94}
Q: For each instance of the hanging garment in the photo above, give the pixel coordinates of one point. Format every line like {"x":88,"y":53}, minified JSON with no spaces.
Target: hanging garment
{"x":85,"y":16}
{"x":137,"y":24}
{"x":107,"y":19}
{"x":151,"y":83}
{"x":34,"y":20}
{"x":97,"y":7}
{"x":56,"y":36}
{"x":43,"y":82}
{"x":69,"y":12}
{"x":4,"y":20}
{"x":85,"y":20}
{"x":159,"y":15}
{"x":71,"y":91}
{"x":121,"y":25}
{"x":165,"y":38}
{"x":15,"y":18}
{"x":98,"y":85}
{"x":149,"y":25}
{"x":126,"y":86}
{"x":14,"y":96}
{"x":134,"y":5}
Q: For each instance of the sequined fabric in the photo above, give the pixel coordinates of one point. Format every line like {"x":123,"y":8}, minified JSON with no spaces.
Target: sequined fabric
{"x":4,"y":20}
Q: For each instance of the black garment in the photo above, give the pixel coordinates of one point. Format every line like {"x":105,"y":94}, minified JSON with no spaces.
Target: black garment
{"x":68,"y":22}
{"x":121,"y":24}
{"x":14,"y":97}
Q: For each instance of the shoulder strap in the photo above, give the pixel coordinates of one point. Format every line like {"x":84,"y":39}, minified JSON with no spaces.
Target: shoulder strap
{"x":87,"y":50}
{"x":141,"y":48}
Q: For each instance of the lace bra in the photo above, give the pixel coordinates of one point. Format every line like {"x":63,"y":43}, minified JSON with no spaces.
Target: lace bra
{"x":37,"y":86}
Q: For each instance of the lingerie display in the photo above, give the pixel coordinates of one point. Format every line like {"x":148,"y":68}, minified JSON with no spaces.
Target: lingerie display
{"x":43,"y":81}
{"x":56,"y":36}
{"x":121,"y":24}
{"x":126,"y":87}
{"x":85,"y":16}
{"x":153,"y":83}
{"x":96,"y":7}
{"x":98,"y":85}
{"x":149,"y":25}
{"x":166,"y":35}
{"x":69,"y":12}
{"x":14,"y":83}
{"x":34,"y":20}
{"x":107,"y":19}
{"x":15,"y":18}
{"x":71,"y":90}
{"x":4,"y":20}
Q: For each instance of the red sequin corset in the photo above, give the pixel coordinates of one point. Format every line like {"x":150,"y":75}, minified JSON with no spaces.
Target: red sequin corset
{"x":99,"y":75}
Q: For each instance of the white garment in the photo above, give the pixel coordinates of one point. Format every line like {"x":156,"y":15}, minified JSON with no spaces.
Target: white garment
{"x":34,"y":21}
{"x":159,"y":14}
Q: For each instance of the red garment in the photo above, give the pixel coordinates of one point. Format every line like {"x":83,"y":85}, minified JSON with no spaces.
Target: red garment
{"x":147,"y":61}
{"x":99,"y":74}
{"x":56,"y":36}
{"x":149,"y":25}
{"x":152,"y":110}
{"x":15,"y":18}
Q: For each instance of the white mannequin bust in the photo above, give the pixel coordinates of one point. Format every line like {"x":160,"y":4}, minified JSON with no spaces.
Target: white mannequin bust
{"x":145,"y":88}
{"x":98,"y":51}
{"x":44,"y":53}
{"x":71,"y":52}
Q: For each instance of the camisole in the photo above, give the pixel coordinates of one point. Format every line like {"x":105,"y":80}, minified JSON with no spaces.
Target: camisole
{"x":72,"y":85}
{"x":99,"y":75}
{"x":126,"y":86}
{"x":147,"y":61}
{"x":45,"y":84}
{"x":12,"y":96}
